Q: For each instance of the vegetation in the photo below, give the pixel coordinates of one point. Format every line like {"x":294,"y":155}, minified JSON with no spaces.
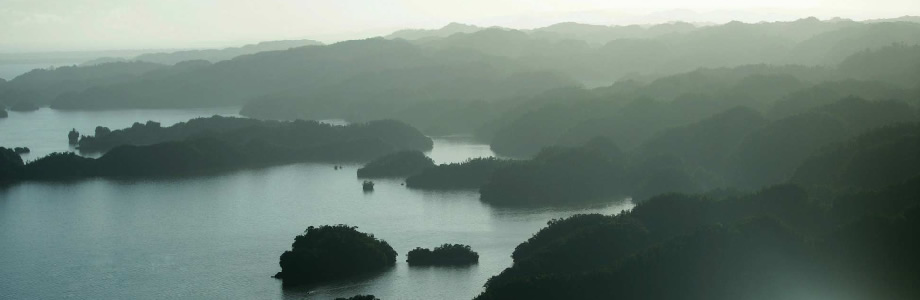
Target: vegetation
{"x":21,"y":150}
{"x":42,"y":86}
{"x":217,"y":144}
{"x":333,"y":252}
{"x":871,"y":160}
{"x":359,"y":297}
{"x":242,"y":130}
{"x":444,"y":255}
{"x":435,"y":80}
{"x":73,"y":137}
{"x":630,"y":112}
{"x":24,"y":106}
{"x":664,"y":248}
{"x":399,"y":164}
{"x":470,"y":174}
{"x":735,"y":148}
{"x":767,"y":161}
{"x":216,"y":55}
{"x":766,"y":156}
{"x":151,"y":132}
{"x":3,"y":113}
{"x":11,"y":166}
{"x":557,"y":176}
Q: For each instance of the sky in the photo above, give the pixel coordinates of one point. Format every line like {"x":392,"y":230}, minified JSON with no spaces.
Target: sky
{"x":80,"y":25}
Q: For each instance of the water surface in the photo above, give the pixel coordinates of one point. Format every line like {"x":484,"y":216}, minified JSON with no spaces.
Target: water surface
{"x":219,"y":237}
{"x":45,"y":131}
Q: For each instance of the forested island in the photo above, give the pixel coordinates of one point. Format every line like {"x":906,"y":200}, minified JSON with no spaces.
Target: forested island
{"x":333,"y":252}
{"x":359,"y":297}
{"x":736,"y":148}
{"x":770,"y":160}
{"x":399,"y":164}
{"x":216,"y":144}
{"x":555,"y":80}
{"x":443,"y":255}
{"x":789,"y":242}
{"x":466,"y":175}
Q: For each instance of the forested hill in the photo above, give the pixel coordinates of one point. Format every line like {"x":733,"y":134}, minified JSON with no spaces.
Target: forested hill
{"x":463,"y":79}
{"x":215,"y":55}
{"x":216,"y":144}
{"x":373,"y":67}
{"x":632,"y":112}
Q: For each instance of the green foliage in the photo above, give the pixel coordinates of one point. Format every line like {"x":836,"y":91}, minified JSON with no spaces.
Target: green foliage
{"x":61,"y":166}
{"x":898,"y":64}
{"x":216,"y":144}
{"x":698,"y":246}
{"x":215,"y":55}
{"x":703,"y":265}
{"x":333,"y":252}
{"x":470,"y":174}
{"x":43,"y":86}
{"x":242,"y":131}
{"x":631,"y":112}
{"x":705,"y":142}
{"x":444,"y":255}
{"x":872,"y":160}
{"x":23,"y":106}
{"x":827,"y":93}
{"x":359,"y":297}
{"x":771,"y":154}
{"x":559,"y":176}
{"x":11,"y":166}
{"x":399,"y":164}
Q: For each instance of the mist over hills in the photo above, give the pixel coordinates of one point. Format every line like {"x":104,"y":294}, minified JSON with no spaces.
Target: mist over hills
{"x":786,"y":152}
{"x":435,"y":79}
{"x":215,"y":55}
{"x":449,"y":29}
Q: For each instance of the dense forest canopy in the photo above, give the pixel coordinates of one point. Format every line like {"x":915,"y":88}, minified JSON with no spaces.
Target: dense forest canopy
{"x":461,"y":78}
{"x":788,"y":152}
{"x":333,"y":252}
{"x":215,"y":144}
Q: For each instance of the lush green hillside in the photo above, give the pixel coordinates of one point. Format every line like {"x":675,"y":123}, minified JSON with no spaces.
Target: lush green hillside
{"x":333,"y":252}
{"x":217,"y":144}
{"x":215,"y":55}
{"x":694,"y":247}
{"x":399,"y":164}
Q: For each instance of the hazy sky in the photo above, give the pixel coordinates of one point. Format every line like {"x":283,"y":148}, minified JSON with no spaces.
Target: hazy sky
{"x":47,"y":25}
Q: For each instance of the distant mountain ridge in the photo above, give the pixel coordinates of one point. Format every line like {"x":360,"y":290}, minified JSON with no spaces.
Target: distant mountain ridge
{"x":449,"y":29}
{"x":215,"y":55}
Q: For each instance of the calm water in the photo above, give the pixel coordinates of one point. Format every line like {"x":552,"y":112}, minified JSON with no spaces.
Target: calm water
{"x":220,"y":237}
{"x":45,"y":130}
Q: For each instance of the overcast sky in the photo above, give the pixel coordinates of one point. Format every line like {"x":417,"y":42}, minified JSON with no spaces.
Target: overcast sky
{"x":66,"y":25}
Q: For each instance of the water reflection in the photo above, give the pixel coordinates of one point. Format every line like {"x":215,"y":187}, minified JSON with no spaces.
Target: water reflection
{"x":45,"y":131}
{"x":219,"y":237}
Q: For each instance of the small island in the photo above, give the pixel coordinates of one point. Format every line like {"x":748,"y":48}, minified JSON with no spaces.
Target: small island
{"x":3,"y":113}
{"x":333,"y":252}
{"x":359,"y":297}
{"x":444,"y":255}
{"x":399,"y":164}
{"x":22,"y":150}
